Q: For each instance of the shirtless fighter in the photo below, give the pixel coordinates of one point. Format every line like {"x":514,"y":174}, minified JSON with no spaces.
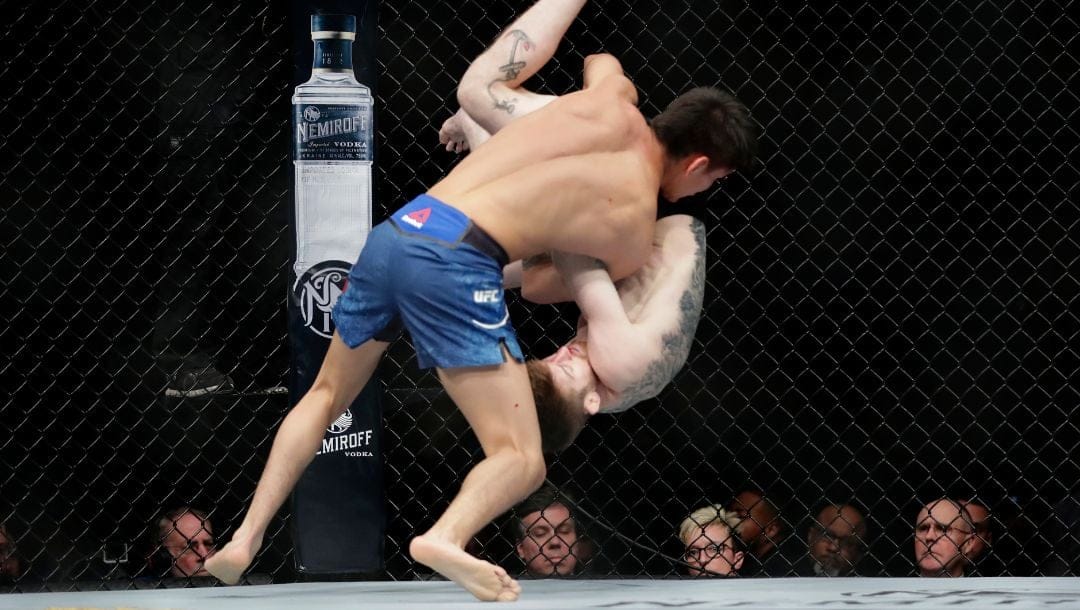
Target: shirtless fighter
{"x":578,"y":175}
{"x":642,"y":327}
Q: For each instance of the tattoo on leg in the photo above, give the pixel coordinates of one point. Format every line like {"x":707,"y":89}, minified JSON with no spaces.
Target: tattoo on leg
{"x":511,"y":70}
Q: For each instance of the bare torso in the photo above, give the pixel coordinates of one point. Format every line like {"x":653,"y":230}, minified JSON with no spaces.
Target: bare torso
{"x":586,"y":183}
{"x":663,"y":302}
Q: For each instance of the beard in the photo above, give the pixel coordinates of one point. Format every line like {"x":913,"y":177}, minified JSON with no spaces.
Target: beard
{"x":832,"y":567}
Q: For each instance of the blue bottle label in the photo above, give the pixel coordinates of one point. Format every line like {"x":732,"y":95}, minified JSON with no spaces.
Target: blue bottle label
{"x":331,"y":132}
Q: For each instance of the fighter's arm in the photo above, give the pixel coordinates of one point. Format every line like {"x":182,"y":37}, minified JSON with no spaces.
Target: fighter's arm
{"x":538,"y":280}
{"x":541,"y":281}
{"x":638,"y":359}
{"x":617,"y":352}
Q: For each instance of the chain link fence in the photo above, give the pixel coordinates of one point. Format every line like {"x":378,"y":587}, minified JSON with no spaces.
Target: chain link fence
{"x":890,"y":316}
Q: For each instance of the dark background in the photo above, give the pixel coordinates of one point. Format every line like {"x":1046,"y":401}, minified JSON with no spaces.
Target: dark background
{"x":891,"y":309}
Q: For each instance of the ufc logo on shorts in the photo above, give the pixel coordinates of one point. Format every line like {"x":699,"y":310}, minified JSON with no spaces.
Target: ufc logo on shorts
{"x":486,"y":296}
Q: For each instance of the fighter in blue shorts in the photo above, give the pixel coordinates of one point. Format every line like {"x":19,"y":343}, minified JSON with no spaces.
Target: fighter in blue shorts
{"x":580,"y":175}
{"x":432,"y":268}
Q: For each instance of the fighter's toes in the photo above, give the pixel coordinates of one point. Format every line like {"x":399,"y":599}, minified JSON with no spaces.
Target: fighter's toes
{"x":452,"y":135}
{"x":510,"y":589}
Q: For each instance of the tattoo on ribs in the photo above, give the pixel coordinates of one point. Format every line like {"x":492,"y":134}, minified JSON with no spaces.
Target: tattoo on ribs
{"x":511,"y":70}
{"x":675,"y":345}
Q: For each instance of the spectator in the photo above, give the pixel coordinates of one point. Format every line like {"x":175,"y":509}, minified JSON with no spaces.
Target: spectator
{"x":182,"y":539}
{"x":1064,"y":530}
{"x":980,"y":522}
{"x":944,"y":539}
{"x":11,"y":566}
{"x":548,"y":540}
{"x":837,"y":541}
{"x":710,"y":543}
{"x":770,"y":551}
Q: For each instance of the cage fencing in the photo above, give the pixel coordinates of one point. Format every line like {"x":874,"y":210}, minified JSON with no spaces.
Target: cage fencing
{"x":890,"y":312}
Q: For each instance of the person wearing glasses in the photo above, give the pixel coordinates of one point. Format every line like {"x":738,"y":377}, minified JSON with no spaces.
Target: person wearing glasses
{"x":710,"y":546}
{"x":837,"y":541}
{"x":945,"y":539}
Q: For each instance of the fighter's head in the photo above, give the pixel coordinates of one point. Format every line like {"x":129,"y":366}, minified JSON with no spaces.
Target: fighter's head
{"x":707,"y":134}
{"x":566,"y":391}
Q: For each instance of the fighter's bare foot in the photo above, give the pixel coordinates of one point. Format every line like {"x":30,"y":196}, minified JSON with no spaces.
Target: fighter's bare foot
{"x":452,"y":134}
{"x":229,"y":563}
{"x":488,"y":582}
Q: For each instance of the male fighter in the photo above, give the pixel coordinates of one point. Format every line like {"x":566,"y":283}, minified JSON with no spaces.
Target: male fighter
{"x":641,"y":329}
{"x":579,"y":175}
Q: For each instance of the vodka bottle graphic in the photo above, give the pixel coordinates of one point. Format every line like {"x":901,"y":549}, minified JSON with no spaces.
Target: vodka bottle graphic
{"x":332,"y":151}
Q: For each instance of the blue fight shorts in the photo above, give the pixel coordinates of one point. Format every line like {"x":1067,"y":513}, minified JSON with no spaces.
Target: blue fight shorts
{"x":431,"y":268}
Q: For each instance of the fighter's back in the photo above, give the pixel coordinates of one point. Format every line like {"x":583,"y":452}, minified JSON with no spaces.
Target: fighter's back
{"x":579,"y":175}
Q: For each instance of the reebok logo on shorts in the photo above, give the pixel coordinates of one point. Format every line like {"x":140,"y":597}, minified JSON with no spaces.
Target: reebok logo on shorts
{"x":486,"y":296}
{"x":417,"y":219}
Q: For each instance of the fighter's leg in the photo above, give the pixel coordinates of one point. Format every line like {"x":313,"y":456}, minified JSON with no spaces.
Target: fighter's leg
{"x":490,"y":91}
{"x":498,"y":404}
{"x":343,"y":374}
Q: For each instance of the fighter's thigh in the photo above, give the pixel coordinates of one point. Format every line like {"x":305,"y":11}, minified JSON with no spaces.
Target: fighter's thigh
{"x":497,"y":401}
{"x":346,"y":371}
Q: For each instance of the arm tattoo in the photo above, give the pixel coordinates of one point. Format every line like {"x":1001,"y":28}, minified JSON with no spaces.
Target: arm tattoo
{"x":675,"y":346}
{"x":511,"y":70}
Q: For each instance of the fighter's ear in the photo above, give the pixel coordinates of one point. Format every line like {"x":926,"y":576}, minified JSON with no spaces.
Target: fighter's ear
{"x":696,"y":164}
{"x":592,"y":402}
{"x":968,"y":546}
{"x":772,"y":530}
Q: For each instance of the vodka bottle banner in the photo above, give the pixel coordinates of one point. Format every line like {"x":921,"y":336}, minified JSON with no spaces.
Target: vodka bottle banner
{"x":332,"y":150}
{"x":338,"y":507}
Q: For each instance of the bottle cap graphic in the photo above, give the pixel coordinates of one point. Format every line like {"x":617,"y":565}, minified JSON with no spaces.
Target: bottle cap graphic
{"x":333,"y":23}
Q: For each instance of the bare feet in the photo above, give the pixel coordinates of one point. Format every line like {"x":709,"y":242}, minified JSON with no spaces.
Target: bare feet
{"x":488,"y":582}
{"x":452,"y":134}
{"x":229,"y":563}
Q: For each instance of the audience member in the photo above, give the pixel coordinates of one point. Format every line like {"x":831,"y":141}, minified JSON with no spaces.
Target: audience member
{"x":1064,"y":530}
{"x":181,"y":540}
{"x":11,"y":566}
{"x":548,"y":540}
{"x":980,"y":522}
{"x":944,"y":539}
{"x":709,"y":542}
{"x":837,"y":541}
{"x":769,"y":549}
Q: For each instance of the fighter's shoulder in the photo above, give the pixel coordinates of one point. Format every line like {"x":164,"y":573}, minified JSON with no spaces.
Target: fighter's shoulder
{"x":680,"y":234}
{"x":678,"y":222}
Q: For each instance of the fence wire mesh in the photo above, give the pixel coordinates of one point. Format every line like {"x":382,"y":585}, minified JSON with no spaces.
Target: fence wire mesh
{"x":890,"y":313}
